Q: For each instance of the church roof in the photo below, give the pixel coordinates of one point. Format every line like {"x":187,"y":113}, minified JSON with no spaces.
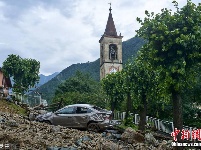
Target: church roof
{"x":110,"y":30}
{"x":110,"y":27}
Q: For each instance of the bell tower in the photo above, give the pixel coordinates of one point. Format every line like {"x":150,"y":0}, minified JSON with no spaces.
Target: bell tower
{"x":110,"y":49}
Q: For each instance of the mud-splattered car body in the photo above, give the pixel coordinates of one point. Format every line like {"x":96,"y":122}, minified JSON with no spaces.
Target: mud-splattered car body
{"x":84,"y":116}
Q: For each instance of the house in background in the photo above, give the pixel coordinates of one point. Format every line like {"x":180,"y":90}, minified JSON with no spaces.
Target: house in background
{"x":5,"y":85}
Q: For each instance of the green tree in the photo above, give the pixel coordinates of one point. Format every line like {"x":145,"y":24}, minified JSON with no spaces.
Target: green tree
{"x":80,"y":88}
{"x":191,"y":98}
{"x":112,"y":85}
{"x":81,"y":82}
{"x":174,"y":43}
{"x":126,"y":90}
{"x":143,"y":83}
{"x":24,"y":72}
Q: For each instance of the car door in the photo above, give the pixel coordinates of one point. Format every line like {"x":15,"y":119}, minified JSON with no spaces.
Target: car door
{"x":64,"y":117}
{"x":81,"y":117}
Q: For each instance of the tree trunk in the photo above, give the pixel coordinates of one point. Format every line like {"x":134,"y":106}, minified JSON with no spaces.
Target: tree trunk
{"x":128,"y":105}
{"x":177,"y":115}
{"x":112,"y":107}
{"x":60,"y":104}
{"x":143,"y":113}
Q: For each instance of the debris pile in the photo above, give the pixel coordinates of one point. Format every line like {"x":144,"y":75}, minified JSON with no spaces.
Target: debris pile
{"x":19,"y":132}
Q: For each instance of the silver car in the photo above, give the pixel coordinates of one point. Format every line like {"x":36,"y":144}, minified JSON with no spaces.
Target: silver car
{"x":83,"y":116}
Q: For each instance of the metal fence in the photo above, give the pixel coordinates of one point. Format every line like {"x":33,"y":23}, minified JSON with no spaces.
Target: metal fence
{"x":158,"y":124}
{"x":31,"y":100}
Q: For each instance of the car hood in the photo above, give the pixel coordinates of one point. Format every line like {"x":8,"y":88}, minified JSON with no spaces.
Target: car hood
{"x":43,"y":116}
{"x":47,"y":114}
{"x":97,"y":117}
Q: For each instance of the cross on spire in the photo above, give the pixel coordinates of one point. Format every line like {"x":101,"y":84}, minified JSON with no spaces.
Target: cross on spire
{"x":110,"y":27}
{"x":110,"y":7}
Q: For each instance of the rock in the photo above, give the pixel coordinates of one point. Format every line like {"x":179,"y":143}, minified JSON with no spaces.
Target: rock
{"x":149,"y":138}
{"x":104,"y":134}
{"x":116,"y":136}
{"x":12,"y":123}
{"x":151,"y":147}
{"x":56,"y":129}
{"x":33,"y":112}
{"x":83,"y":139}
{"x":110,"y":146}
{"x":139,"y":146}
{"x":163,"y":145}
{"x":31,"y":116}
{"x":2,"y":120}
{"x":131,"y":136}
{"x":61,"y":148}
{"x":169,"y":144}
{"x":111,"y":134}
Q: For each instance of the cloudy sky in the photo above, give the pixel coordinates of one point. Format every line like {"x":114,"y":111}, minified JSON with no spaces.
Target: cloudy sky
{"x":59,"y":33}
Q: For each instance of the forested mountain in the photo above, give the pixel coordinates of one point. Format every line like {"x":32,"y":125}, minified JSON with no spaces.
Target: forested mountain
{"x":129,"y":49}
{"x":44,"y":79}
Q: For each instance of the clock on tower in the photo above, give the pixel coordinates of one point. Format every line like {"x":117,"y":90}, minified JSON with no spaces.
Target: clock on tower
{"x":113,"y":69}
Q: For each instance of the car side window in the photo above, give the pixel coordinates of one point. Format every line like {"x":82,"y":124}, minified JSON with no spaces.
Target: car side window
{"x":81,"y":110}
{"x":89,"y":110}
{"x":68,"y":110}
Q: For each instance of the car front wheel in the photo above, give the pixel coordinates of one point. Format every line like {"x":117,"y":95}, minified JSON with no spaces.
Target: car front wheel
{"x":93,"y":127}
{"x":48,"y":122}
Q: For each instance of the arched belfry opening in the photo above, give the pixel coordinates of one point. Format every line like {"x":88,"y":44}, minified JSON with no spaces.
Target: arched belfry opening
{"x":112,"y":51}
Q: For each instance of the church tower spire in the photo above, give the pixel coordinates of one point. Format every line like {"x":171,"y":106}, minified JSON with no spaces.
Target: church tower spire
{"x":110,"y":29}
{"x":110,"y":49}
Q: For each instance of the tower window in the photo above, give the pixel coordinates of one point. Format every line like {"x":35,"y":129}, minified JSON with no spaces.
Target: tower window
{"x":112,"y":51}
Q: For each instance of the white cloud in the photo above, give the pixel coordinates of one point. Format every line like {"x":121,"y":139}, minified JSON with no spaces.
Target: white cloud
{"x":66,"y":32}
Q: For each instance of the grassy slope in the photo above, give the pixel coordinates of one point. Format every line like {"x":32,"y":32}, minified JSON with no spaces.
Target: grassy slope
{"x":11,"y":108}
